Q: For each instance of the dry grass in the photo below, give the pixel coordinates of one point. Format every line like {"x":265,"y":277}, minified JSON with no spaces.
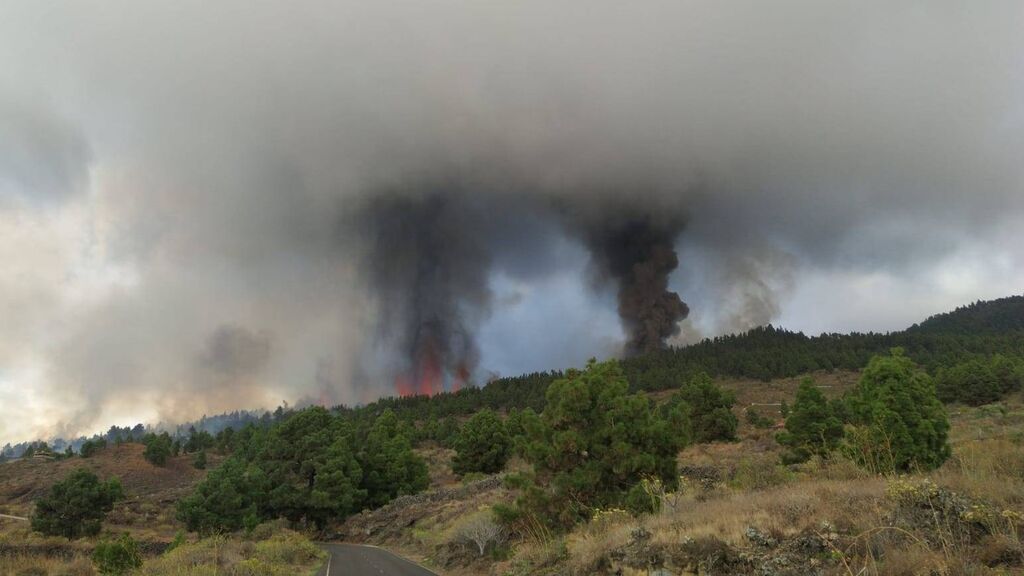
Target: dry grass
{"x":23,"y":552}
{"x":439,"y":465}
{"x":147,"y":512}
{"x":31,"y":565}
{"x":282,"y":553}
{"x":963,"y":519}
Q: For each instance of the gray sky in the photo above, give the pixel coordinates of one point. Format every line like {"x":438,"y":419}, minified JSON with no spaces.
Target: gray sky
{"x":178,"y":180}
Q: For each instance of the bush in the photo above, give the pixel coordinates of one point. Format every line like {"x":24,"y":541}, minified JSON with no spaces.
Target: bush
{"x":158,"y":448}
{"x":899,"y":423}
{"x":594,"y":442}
{"x":642,"y":498}
{"x":757,"y":420}
{"x":482,"y":445}
{"x":976,"y":382}
{"x":117,"y":557}
{"x":710,"y":409}
{"x":76,"y":505}
{"x":223,"y":502}
{"x":91,"y":447}
{"x":480,"y":530}
{"x":311,"y":467}
{"x":390,"y":467}
{"x":199,"y":460}
{"x":758,"y":474}
{"x":812,"y":427}
{"x":179,"y":539}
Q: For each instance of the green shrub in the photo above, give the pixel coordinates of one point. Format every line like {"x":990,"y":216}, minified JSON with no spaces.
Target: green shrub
{"x":471,"y":477}
{"x":158,"y":448}
{"x":977,"y":381}
{"x":179,"y":539}
{"x":76,"y":505}
{"x":899,"y":423}
{"x":223,"y":502}
{"x":812,"y":427}
{"x":757,"y":420}
{"x":117,"y":557}
{"x":288,"y":548}
{"x":710,"y":409}
{"x":641,"y":499}
{"x":91,"y":447}
{"x":390,"y":467}
{"x":594,"y":442}
{"x":758,"y":474}
{"x":482,"y":445}
{"x":199,"y":460}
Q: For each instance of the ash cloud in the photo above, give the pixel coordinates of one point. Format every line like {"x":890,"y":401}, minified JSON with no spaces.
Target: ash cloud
{"x":222,"y":156}
{"x":427,"y":263}
{"x":235,"y":351}
{"x":636,"y":253}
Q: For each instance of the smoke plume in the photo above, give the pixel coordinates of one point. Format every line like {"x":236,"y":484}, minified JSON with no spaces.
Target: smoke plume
{"x":427,"y":267}
{"x":341,"y":200}
{"x":637,"y":254}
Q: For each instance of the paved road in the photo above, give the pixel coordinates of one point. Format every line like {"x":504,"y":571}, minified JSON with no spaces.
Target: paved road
{"x":9,"y":517}
{"x":355,"y":560}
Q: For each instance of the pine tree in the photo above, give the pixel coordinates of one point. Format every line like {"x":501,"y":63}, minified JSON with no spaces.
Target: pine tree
{"x":710,"y":409}
{"x":158,"y":448}
{"x":594,"y":442}
{"x":390,"y":467}
{"x":76,"y":506}
{"x":482,"y":445}
{"x":311,"y":469}
{"x":199,"y":461}
{"x":812,"y":427}
{"x":900,"y":424}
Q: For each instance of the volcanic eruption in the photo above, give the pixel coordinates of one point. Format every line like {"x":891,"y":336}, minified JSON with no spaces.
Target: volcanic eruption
{"x":432,"y":249}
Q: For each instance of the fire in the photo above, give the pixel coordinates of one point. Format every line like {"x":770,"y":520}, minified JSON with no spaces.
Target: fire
{"x":428,"y":375}
{"x":461,"y":377}
{"x":430,"y":379}
{"x":403,"y":385}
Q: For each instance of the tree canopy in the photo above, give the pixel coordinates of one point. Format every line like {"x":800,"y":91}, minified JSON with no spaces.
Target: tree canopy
{"x":482,"y":445}
{"x":812,"y":426}
{"x":594,"y":442}
{"x":76,"y":506}
{"x":899,"y":423}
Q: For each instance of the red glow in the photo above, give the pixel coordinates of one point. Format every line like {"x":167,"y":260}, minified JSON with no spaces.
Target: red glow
{"x":461,"y":377}
{"x":427,"y":376}
{"x":403,"y":385}
{"x":430,"y":378}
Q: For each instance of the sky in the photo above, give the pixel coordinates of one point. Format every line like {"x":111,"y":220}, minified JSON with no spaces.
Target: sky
{"x":198,"y":201}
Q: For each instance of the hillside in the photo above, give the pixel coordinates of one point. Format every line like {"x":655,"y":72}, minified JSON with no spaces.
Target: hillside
{"x":1005,"y":315}
{"x":741,"y":507}
{"x":739,"y":512}
{"x":763,"y":354}
{"x":150,"y":491}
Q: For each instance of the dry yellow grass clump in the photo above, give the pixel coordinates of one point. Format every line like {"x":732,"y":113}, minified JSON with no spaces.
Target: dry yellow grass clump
{"x":280,"y":552}
{"x":271,"y":550}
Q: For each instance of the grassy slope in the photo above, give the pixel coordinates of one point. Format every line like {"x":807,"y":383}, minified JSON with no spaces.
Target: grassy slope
{"x":150,"y":491}
{"x":747,"y":491}
{"x":827,"y":517}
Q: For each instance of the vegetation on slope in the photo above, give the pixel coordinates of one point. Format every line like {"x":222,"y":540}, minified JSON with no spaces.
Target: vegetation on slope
{"x":603,"y":439}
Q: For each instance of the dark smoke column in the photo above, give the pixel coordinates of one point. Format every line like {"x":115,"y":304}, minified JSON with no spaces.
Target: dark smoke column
{"x":638,"y":254}
{"x":427,"y":264}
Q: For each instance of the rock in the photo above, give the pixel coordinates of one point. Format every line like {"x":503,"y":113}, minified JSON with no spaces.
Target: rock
{"x":758,"y":538}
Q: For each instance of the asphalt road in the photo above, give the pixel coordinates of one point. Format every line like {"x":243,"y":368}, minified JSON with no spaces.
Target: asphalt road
{"x":355,"y":560}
